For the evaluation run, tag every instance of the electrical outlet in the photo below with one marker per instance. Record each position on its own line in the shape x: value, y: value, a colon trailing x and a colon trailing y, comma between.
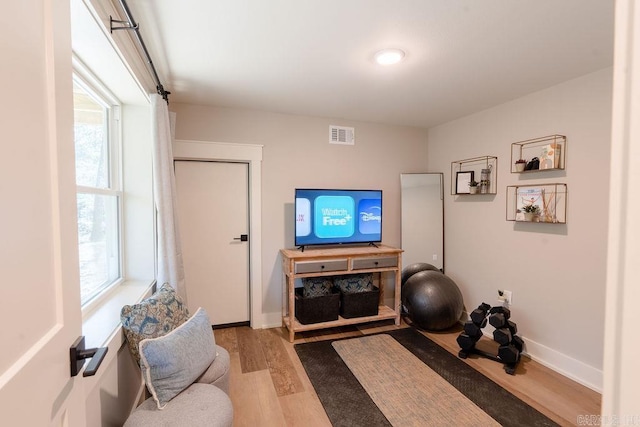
x: 505, y: 297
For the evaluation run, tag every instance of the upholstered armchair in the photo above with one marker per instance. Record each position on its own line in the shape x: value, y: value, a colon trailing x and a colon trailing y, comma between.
x: 185, y: 372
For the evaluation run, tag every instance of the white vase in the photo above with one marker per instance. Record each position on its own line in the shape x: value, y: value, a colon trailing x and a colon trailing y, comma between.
x: 520, y: 167
x: 473, y: 190
x: 528, y: 216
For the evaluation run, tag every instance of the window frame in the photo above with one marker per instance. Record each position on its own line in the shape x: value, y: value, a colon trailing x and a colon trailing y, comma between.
x: 102, y: 95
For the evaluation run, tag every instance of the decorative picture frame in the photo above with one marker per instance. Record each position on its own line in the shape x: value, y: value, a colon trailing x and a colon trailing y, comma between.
x: 463, y: 179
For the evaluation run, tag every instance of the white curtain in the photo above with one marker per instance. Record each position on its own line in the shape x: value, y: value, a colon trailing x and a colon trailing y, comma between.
x: 170, y: 266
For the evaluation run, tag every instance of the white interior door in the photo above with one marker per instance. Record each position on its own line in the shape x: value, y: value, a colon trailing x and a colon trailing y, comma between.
x: 213, y: 207
x: 38, y: 247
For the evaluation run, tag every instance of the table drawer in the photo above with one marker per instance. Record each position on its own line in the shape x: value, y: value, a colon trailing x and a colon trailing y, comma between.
x: 320, y: 266
x: 377, y: 262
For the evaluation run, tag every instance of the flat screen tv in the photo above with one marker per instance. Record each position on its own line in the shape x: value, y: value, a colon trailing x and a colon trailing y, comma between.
x: 334, y: 217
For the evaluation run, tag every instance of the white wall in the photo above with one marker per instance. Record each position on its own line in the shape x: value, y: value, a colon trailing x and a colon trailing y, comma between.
x: 556, y: 272
x: 297, y: 153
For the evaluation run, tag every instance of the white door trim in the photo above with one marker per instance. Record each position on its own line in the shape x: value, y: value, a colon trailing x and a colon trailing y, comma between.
x: 621, y: 371
x: 251, y: 154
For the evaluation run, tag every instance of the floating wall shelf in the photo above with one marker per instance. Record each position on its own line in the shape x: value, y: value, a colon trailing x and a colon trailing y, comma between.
x: 550, y: 150
x: 482, y: 169
x: 550, y: 199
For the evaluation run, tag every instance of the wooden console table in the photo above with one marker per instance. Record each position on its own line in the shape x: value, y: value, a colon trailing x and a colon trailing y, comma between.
x: 338, y: 261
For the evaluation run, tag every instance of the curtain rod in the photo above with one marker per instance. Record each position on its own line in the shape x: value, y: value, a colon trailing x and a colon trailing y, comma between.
x: 131, y: 24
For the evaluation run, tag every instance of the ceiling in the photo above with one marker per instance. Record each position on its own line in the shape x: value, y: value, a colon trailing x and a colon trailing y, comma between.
x: 315, y: 57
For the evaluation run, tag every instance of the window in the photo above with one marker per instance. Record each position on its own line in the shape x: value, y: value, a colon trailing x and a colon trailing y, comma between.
x: 99, y: 193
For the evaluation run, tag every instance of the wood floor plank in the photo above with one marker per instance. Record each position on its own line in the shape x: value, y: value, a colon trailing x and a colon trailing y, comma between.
x: 284, y: 376
x: 227, y: 338
x: 254, y: 399
x: 250, y: 351
x: 303, y: 410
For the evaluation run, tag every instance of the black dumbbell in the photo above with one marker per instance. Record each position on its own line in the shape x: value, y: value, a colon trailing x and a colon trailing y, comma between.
x: 467, y: 342
x: 472, y: 329
x: 478, y: 316
x: 512, y: 327
x: 517, y: 342
x: 501, y: 309
x: 502, y: 336
x: 498, y: 320
x: 508, y: 353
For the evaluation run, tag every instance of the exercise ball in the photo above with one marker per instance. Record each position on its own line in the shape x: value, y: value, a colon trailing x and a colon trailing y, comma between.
x: 432, y: 300
x: 412, y: 269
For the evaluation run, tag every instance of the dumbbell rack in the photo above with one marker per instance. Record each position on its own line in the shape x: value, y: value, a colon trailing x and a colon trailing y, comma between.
x: 505, y: 334
x: 509, y: 368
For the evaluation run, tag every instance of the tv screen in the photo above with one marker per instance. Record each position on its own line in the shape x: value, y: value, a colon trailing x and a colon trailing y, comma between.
x: 330, y: 217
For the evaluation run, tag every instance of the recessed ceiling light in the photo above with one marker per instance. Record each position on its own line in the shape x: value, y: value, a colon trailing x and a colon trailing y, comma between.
x: 389, y: 56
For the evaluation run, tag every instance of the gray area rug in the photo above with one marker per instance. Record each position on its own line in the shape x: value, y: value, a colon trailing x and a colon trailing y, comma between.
x: 347, y: 403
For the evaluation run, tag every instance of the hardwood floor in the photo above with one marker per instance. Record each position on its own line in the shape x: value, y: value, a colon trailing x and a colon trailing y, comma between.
x: 269, y: 386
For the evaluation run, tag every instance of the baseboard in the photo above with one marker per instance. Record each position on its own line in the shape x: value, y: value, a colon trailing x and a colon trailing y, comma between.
x: 270, y: 320
x: 565, y: 365
x: 571, y: 368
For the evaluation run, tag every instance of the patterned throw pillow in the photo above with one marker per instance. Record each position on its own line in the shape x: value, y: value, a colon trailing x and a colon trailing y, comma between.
x: 316, y: 286
x: 352, y: 283
x: 153, y: 317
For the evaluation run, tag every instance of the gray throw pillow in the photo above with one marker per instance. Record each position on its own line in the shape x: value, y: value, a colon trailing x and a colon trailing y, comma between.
x: 172, y: 362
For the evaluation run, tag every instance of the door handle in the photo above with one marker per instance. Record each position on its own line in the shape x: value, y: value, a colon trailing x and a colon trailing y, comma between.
x: 78, y: 353
x: 242, y: 238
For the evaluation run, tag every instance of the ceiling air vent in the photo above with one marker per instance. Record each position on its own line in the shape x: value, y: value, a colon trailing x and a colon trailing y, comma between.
x: 342, y: 135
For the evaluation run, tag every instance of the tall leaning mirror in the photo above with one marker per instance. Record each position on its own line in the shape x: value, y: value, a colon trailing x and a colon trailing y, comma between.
x: 422, y: 219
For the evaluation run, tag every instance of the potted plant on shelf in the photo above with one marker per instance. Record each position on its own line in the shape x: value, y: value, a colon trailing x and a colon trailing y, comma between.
x: 473, y: 187
x: 530, y: 212
x: 520, y: 165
